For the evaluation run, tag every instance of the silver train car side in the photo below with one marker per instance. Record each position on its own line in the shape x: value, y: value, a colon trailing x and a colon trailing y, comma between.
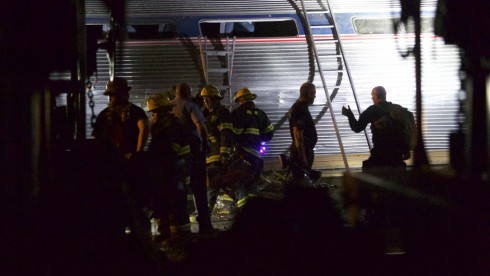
x: 271, y: 56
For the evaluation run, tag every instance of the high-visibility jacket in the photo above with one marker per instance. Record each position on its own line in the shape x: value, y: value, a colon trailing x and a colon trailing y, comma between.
x: 220, y: 133
x: 251, y: 127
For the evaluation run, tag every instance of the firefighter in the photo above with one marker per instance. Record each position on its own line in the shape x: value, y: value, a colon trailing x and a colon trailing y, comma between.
x: 252, y: 127
x: 122, y: 128
x: 220, y: 138
x: 167, y: 153
x: 122, y: 125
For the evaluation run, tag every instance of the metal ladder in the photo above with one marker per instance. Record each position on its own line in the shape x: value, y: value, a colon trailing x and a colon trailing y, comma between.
x: 222, y: 64
x: 326, y: 22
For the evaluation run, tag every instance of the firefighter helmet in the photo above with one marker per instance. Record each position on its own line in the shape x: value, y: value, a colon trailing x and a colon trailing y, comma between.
x: 244, y: 94
x: 158, y: 101
x: 210, y: 91
x: 117, y: 86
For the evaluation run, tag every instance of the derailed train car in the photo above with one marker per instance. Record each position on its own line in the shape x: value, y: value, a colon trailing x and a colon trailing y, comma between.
x: 269, y: 52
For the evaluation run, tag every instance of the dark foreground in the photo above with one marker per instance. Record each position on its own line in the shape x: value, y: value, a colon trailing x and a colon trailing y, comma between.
x: 84, y: 225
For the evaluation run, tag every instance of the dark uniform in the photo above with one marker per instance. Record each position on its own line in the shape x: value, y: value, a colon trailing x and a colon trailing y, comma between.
x: 167, y: 156
x: 122, y: 125
x: 387, y: 150
x: 220, y: 133
x: 299, y: 116
x: 116, y: 126
x: 387, y: 153
x: 252, y: 127
x: 220, y: 136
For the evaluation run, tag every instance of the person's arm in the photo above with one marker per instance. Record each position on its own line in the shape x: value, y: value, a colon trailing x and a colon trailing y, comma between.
x: 266, y: 127
x: 203, y: 132
x: 357, y: 125
x: 143, y: 127
x: 300, y: 145
x: 200, y: 122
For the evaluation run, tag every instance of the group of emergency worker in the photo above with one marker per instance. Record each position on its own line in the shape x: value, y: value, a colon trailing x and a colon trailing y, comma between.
x: 214, y: 152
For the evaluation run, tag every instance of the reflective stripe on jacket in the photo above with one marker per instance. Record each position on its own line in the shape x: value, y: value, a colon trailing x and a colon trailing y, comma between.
x: 251, y: 127
x: 220, y: 133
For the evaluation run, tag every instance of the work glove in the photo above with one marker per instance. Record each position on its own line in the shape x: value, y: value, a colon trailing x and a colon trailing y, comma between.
x: 347, y: 112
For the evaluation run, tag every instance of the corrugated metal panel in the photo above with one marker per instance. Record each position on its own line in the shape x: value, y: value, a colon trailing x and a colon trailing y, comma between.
x: 155, y: 8
x: 275, y: 68
x: 150, y: 68
x: 152, y: 8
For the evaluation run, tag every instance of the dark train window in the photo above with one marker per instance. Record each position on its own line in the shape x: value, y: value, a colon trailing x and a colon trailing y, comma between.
x: 386, y: 26
x: 147, y: 31
x: 249, y: 28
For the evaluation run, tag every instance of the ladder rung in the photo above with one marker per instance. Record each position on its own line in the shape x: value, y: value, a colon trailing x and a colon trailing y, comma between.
x: 217, y: 53
x: 329, y: 55
x: 321, y: 26
x: 329, y: 40
x: 333, y: 71
x: 317, y: 11
x: 218, y: 70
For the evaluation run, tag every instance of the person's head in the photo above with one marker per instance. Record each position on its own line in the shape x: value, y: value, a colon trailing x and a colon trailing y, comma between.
x: 211, y: 96
x: 117, y: 90
x: 183, y: 90
x: 244, y: 95
x: 307, y: 92
x: 378, y: 94
x: 159, y: 105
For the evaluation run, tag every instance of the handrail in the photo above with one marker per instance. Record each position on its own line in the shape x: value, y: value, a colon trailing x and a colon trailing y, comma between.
x: 317, y: 58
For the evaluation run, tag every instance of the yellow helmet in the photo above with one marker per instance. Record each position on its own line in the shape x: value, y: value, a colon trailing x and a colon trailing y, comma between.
x: 157, y: 101
x: 210, y: 91
x: 245, y: 94
x: 117, y: 86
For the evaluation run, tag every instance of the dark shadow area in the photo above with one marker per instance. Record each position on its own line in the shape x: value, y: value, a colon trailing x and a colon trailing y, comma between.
x: 252, y: 28
x: 87, y: 224
x: 300, y: 235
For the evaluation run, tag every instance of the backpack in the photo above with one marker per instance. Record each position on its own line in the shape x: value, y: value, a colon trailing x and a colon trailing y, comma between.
x: 404, y: 125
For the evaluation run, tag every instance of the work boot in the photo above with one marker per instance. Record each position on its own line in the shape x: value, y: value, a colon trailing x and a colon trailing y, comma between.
x: 225, y: 208
x: 193, y: 216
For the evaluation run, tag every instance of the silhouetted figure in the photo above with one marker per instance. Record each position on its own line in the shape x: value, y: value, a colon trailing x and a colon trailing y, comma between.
x: 194, y: 124
x: 387, y: 154
x: 167, y: 170
x: 121, y: 125
x: 303, y: 132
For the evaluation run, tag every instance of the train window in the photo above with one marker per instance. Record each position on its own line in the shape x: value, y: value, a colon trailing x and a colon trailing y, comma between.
x: 249, y: 27
x: 147, y: 31
x: 386, y: 26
